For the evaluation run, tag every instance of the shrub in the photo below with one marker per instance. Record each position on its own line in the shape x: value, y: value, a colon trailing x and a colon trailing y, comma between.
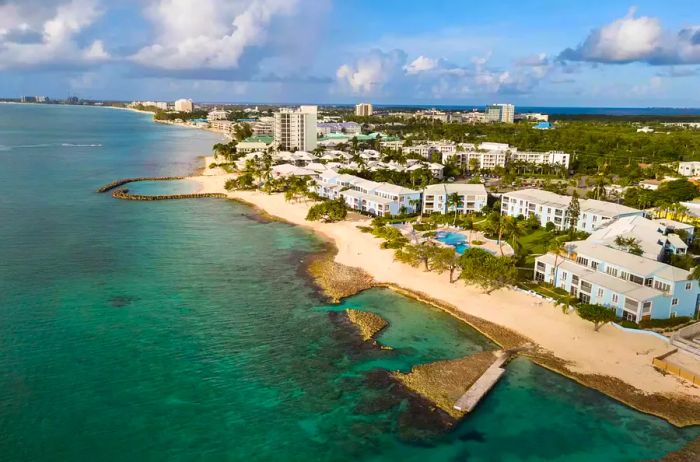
x: 477, y: 242
x: 628, y: 324
x: 329, y: 211
x: 660, y: 323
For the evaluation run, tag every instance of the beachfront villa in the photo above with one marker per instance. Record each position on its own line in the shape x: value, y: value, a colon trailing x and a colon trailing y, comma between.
x: 637, y: 287
x: 435, y: 198
x: 550, y: 207
x: 379, y: 199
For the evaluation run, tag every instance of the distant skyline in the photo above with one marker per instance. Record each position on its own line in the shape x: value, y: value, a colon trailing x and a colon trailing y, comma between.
x: 530, y: 53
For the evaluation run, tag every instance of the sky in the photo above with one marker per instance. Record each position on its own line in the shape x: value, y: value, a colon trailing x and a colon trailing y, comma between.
x: 526, y: 52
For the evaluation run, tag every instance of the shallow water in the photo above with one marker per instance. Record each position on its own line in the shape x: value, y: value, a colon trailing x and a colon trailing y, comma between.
x: 187, y: 330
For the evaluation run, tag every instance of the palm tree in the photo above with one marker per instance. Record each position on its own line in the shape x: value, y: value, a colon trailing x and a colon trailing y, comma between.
x: 557, y: 249
x: 415, y: 203
x: 456, y: 201
x: 469, y: 225
x: 513, y: 229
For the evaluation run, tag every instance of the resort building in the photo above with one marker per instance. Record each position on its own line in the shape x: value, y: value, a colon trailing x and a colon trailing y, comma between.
x: 637, y: 287
x: 380, y: 199
x: 552, y: 207
x: 363, y: 109
x: 296, y: 128
x: 657, y: 238
x: 541, y: 158
x: 255, y: 143
x: 435, y: 169
x: 217, y: 115
x: 426, y: 150
x: 352, y: 128
x: 184, y: 105
x: 394, y: 145
x: 435, y: 198
x: 689, y: 168
x: 503, y: 113
x: 224, y: 126
x: 264, y: 126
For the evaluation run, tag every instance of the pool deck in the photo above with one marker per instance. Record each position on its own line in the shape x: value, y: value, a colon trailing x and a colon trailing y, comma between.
x: 489, y: 245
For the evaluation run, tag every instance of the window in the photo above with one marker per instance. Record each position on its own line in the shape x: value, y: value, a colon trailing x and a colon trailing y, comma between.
x: 662, y: 286
x: 648, y: 282
x: 624, y: 275
x: 586, y: 286
x: 582, y: 261
x: 585, y: 298
x: 594, y: 265
x: 600, y: 292
x: 539, y: 276
x: 646, y: 308
x: 563, y: 275
x: 674, y: 302
x: 611, y: 271
x: 541, y: 266
x: 688, y: 285
x: 636, y: 279
x: 574, y: 280
x: 631, y: 304
x: 615, y: 298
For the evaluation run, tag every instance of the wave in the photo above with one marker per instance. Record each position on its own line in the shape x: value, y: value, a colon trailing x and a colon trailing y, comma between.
x: 97, y: 145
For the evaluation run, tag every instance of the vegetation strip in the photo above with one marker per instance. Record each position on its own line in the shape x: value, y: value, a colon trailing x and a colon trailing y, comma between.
x: 123, y: 181
x: 124, y: 194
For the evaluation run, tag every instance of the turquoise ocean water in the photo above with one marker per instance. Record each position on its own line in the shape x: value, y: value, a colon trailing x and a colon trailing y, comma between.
x: 187, y: 330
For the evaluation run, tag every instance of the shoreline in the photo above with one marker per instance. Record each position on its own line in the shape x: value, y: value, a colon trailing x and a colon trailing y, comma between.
x: 614, y: 362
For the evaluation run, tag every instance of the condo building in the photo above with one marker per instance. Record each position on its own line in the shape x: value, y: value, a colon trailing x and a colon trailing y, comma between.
x: 363, y: 109
x: 379, y: 199
x: 689, y: 168
x: 638, y: 287
x: 184, y: 105
x: 436, y: 198
x: 296, y: 128
x: 503, y: 113
x: 551, y: 207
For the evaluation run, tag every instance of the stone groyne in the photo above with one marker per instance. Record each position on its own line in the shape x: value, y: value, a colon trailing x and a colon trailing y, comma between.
x: 124, y: 195
x: 123, y: 181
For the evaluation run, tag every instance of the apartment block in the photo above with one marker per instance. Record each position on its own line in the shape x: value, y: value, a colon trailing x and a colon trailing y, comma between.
x: 436, y: 198
x: 552, y: 207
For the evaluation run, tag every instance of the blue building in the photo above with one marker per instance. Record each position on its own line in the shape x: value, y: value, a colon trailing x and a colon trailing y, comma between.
x: 639, y: 287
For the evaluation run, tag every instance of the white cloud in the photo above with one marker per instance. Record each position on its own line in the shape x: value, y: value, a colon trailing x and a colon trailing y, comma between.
x: 209, y: 34
x: 371, y: 72
x: 34, y: 35
x: 421, y: 64
x: 381, y: 73
x: 637, y: 39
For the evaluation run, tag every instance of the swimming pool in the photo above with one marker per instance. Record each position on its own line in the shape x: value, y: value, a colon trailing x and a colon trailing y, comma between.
x: 456, y: 240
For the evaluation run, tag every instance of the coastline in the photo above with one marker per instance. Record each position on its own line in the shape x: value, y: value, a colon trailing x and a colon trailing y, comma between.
x: 615, y: 362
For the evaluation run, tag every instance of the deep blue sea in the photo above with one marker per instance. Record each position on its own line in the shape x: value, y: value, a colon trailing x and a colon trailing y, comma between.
x: 188, y: 330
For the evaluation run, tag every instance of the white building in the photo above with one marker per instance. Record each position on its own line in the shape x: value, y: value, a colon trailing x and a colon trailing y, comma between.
x: 552, y: 207
x: 656, y: 238
x: 296, y: 128
x: 534, y: 116
x: 225, y: 126
x: 380, y: 199
x: 689, y: 168
x: 325, y: 128
x: 503, y: 113
x: 184, y: 105
x: 264, y: 126
x: 541, y: 158
x: 217, y: 115
x: 363, y: 109
x: 426, y: 150
x: 473, y: 117
x: 435, y: 198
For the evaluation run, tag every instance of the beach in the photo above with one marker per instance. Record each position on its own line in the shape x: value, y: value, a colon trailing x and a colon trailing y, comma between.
x: 582, y: 352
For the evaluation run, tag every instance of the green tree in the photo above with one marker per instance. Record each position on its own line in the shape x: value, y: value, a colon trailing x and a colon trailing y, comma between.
x: 597, y: 314
x: 444, y: 259
x: 328, y: 211
x: 455, y: 201
x: 481, y: 268
x: 415, y: 255
x: 514, y: 230
x: 573, y: 212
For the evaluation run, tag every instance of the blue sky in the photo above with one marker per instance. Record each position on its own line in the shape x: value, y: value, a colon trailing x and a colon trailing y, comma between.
x: 536, y: 53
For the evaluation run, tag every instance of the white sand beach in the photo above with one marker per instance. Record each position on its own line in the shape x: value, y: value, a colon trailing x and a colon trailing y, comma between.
x: 611, y: 352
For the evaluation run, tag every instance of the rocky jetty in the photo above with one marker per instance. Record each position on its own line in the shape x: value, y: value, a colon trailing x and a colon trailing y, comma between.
x: 335, y: 280
x: 444, y: 382
x: 125, y: 195
x: 369, y: 324
x: 123, y: 181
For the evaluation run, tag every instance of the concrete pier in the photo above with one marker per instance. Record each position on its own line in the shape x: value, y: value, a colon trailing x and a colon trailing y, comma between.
x: 478, y: 390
